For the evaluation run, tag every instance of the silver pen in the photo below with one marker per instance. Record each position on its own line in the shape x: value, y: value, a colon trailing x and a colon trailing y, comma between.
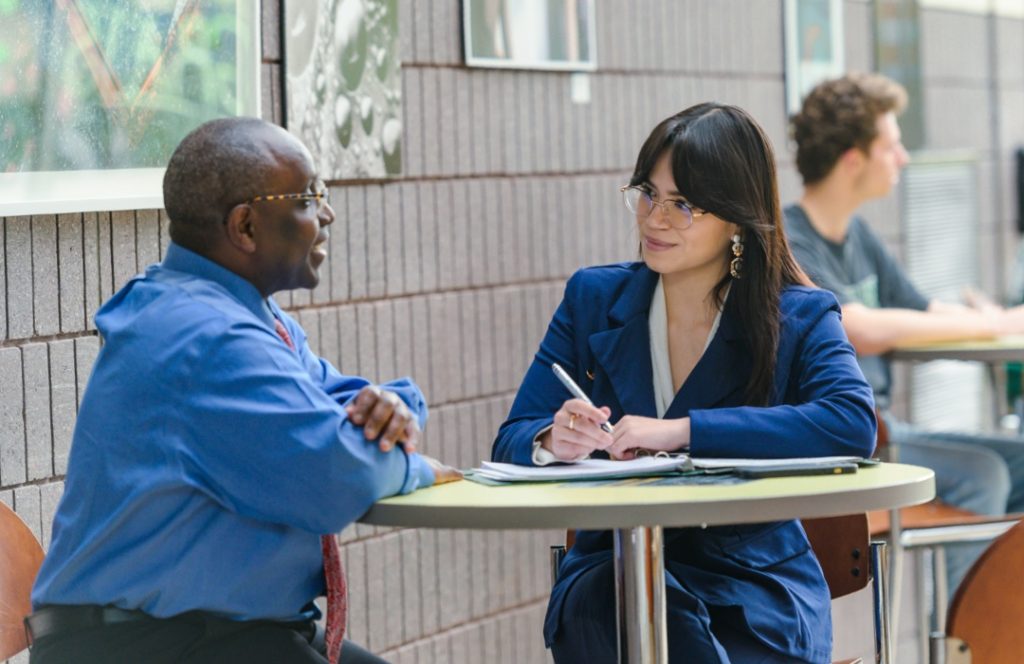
x: 573, y: 388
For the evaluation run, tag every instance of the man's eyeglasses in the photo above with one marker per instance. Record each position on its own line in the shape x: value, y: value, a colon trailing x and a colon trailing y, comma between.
x: 321, y: 194
x: 678, y: 213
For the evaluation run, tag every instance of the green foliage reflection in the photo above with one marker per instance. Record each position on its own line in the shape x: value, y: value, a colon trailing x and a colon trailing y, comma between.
x: 99, y: 84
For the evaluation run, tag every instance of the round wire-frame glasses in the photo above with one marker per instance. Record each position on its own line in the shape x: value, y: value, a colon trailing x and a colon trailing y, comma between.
x: 678, y: 213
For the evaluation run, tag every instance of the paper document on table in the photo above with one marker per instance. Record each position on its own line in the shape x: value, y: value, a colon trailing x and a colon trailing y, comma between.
x: 586, y: 469
x: 713, y: 464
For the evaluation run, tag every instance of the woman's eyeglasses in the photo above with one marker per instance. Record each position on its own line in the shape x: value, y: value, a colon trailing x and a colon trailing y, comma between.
x: 678, y: 213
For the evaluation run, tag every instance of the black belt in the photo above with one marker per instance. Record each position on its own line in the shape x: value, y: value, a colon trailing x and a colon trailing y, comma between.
x: 59, y: 619
x: 51, y: 620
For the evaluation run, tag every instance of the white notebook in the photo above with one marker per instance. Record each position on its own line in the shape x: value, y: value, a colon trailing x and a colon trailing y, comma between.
x: 583, y: 470
x: 587, y: 469
x: 712, y: 464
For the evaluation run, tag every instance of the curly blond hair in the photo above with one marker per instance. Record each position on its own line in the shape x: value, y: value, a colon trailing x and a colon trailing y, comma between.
x: 841, y: 114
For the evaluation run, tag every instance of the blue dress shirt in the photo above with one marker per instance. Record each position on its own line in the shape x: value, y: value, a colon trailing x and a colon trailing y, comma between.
x: 209, y: 457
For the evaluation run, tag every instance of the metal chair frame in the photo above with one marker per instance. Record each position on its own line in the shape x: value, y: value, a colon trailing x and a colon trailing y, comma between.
x: 928, y: 540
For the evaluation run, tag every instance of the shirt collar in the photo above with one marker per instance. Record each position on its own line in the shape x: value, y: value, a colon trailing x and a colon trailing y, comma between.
x: 180, y: 259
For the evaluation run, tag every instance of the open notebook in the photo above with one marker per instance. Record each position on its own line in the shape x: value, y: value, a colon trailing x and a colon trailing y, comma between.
x: 585, y: 469
x: 588, y: 469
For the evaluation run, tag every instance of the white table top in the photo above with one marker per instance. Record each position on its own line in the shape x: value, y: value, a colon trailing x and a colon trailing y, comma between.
x: 1001, y: 349
x: 466, y: 504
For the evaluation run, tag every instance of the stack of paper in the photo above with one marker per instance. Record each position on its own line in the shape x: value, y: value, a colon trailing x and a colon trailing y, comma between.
x: 716, y: 464
x: 595, y: 469
x: 586, y: 469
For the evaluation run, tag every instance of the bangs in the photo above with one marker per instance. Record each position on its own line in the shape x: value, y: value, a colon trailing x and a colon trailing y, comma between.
x: 658, y: 142
x: 702, y: 156
x: 698, y: 163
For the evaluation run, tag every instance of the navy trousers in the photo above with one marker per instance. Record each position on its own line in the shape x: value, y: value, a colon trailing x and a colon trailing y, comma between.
x: 695, y: 635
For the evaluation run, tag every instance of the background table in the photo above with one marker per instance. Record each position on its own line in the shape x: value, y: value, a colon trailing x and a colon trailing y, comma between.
x: 637, y: 514
x: 1001, y: 349
x: 993, y: 352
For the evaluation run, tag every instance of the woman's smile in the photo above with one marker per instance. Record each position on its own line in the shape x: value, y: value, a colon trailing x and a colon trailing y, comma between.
x: 651, y: 244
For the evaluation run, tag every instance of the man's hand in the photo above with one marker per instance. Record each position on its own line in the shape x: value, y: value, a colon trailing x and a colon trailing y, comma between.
x: 382, y: 413
x: 1012, y: 320
x: 442, y: 473
x: 977, y: 300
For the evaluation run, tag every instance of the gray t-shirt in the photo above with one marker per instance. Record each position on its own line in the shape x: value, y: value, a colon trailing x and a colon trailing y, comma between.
x: 859, y: 269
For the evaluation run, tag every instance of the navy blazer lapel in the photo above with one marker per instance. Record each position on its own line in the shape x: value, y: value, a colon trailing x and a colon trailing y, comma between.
x: 721, y: 373
x: 624, y: 350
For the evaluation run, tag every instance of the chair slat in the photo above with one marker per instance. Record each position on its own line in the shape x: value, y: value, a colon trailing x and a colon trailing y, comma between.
x: 20, y: 558
x: 988, y: 609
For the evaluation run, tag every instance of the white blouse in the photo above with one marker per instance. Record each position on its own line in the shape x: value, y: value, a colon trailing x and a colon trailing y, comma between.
x: 661, y: 365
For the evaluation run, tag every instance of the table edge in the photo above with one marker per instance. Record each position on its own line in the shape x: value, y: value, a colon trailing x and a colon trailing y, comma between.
x: 628, y: 515
x: 988, y: 355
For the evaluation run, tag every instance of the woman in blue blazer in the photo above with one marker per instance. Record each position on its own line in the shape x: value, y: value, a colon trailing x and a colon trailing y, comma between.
x: 715, y: 344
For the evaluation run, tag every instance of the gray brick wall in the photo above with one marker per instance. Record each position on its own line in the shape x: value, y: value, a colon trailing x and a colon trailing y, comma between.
x: 451, y: 272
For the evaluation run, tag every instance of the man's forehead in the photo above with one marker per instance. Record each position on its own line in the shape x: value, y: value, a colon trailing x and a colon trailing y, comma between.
x: 280, y: 140
x: 286, y: 152
x: 887, y: 125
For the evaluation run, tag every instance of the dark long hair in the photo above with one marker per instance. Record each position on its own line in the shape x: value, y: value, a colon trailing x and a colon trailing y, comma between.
x: 723, y: 162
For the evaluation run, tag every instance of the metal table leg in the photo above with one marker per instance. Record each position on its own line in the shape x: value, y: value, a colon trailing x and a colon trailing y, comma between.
x: 895, y: 589
x: 640, y: 595
x: 880, y: 588
x: 997, y: 395
x: 940, y: 596
x: 894, y: 574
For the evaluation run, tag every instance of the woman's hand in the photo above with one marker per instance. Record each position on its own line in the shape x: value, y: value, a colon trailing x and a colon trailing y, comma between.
x: 633, y: 433
x: 577, y: 431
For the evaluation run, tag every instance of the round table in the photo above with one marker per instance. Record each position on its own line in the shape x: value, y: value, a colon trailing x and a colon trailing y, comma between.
x: 637, y: 515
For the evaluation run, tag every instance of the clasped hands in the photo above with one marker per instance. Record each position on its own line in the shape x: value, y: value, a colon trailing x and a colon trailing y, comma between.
x: 386, y: 419
x: 576, y: 432
x: 1003, y: 320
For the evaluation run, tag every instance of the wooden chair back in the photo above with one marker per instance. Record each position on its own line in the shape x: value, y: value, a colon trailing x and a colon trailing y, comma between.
x: 842, y: 546
x: 987, y: 611
x: 882, y: 435
x: 20, y: 558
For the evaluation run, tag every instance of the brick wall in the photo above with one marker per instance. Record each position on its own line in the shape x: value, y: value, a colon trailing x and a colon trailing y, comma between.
x: 450, y: 273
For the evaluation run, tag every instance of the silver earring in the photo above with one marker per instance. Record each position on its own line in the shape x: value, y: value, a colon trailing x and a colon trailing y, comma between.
x: 736, y: 264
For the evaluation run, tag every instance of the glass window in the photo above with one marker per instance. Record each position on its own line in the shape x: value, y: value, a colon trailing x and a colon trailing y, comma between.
x: 104, y: 86
x: 814, y: 46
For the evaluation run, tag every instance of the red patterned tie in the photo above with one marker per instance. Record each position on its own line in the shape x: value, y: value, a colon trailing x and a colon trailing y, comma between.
x: 337, y: 605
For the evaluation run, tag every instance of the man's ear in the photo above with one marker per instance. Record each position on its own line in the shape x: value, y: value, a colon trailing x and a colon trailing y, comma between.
x: 853, y: 160
x: 239, y: 226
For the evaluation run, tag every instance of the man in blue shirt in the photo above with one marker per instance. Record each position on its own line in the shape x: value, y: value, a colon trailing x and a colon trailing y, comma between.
x: 213, y: 448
